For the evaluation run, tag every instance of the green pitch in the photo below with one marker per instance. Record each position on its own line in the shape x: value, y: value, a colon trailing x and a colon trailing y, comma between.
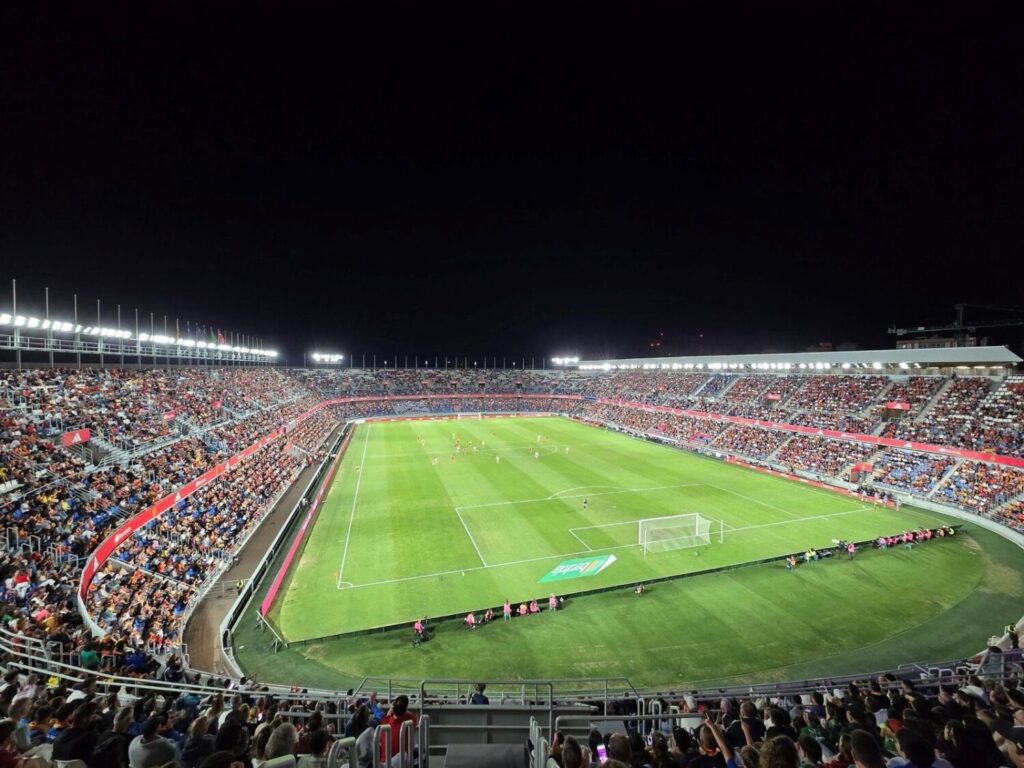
x: 401, y: 537
x: 429, y: 518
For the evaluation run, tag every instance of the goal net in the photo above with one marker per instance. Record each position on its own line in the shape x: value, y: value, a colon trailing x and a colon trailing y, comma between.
x: 661, y: 534
x: 460, y: 416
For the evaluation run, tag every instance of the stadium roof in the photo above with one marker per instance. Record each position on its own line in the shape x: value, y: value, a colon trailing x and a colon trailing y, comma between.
x: 870, y: 359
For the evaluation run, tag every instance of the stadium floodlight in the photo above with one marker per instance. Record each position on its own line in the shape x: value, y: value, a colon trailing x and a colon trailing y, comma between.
x: 565, y: 360
x: 327, y: 358
x: 19, y: 321
x: 5, y: 319
x: 877, y: 366
x: 904, y: 366
x: 34, y: 322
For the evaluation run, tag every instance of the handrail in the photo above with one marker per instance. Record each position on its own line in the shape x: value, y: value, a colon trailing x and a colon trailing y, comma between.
x: 405, y: 744
x: 105, y: 548
x: 248, y: 593
x: 382, y: 732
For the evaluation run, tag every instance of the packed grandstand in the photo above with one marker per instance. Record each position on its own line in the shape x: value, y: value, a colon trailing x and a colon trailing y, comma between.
x: 96, y: 604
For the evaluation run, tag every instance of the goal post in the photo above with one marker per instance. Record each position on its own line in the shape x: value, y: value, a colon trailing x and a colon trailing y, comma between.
x: 691, y: 529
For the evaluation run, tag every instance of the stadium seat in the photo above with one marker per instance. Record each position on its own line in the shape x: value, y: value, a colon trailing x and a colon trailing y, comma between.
x: 342, y: 751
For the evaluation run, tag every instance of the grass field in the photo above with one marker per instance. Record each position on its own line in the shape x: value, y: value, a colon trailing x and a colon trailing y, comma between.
x: 409, y: 537
x: 408, y: 531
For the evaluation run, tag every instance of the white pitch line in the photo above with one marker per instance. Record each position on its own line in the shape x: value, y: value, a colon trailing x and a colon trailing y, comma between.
x: 471, y: 539
x: 603, y: 525
x: 758, y: 501
x: 581, y: 541
x: 584, y: 552
x: 793, y: 522
x: 355, y: 498
x: 558, y: 494
x: 580, y: 496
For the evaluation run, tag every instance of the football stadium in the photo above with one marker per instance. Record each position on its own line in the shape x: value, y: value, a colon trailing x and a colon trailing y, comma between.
x: 854, y: 517
x: 420, y: 385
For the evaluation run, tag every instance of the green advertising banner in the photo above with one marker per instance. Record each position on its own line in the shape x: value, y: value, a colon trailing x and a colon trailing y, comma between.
x: 577, y: 569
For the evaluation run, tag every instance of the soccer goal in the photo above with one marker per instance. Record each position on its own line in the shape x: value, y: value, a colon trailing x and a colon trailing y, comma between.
x: 692, y: 529
x: 460, y: 416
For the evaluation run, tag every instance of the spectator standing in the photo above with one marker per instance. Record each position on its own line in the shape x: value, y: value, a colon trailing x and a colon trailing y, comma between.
x: 397, y: 714
x: 478, y: 696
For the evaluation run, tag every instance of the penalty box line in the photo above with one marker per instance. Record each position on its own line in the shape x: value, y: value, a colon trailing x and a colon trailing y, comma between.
x: 554, y: 497
x: 471, y: 569
x: 728, y: 526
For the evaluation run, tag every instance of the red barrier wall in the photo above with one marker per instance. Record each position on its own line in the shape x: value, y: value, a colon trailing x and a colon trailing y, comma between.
x: 268, y: 599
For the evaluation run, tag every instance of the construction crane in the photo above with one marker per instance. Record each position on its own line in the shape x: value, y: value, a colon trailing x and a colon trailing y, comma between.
x: 960, y: 328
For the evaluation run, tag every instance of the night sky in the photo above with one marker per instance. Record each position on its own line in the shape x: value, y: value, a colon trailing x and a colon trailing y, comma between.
x: 514, y: 181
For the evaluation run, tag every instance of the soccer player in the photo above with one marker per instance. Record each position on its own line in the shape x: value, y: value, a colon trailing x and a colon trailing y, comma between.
x: 434, y: 461
x: 567, y: 449
x: 497, y: 459
x: 586, y: 503
x: 536, y: 454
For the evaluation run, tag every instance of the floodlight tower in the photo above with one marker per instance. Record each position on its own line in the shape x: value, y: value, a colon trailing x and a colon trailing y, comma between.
x: 324, y: 359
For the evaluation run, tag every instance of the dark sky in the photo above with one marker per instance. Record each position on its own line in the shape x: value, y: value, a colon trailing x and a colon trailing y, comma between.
x: 517, y: 180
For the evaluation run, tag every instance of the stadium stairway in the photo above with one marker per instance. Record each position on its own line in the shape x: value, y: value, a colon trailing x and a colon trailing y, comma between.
x: 945, y: 477
x: 939, y: 394
x: 105, y: 453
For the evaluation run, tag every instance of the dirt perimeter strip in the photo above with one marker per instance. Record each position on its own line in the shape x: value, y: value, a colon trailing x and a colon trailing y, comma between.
x: 300, y: 537
x: 204, y: 625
